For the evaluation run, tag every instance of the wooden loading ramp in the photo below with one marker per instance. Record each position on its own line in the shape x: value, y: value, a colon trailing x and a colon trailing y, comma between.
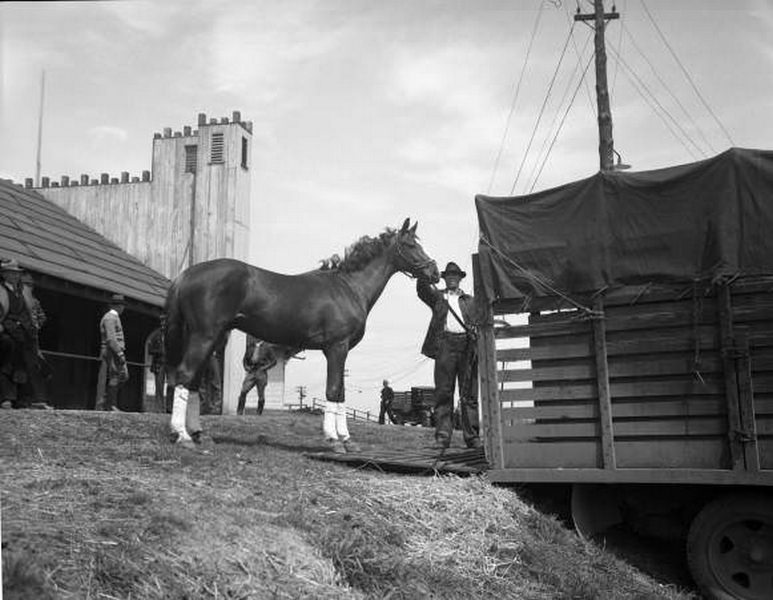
x: 459, y: 461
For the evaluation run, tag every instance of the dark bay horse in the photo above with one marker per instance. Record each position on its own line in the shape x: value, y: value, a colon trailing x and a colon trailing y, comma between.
x: 325, y: 309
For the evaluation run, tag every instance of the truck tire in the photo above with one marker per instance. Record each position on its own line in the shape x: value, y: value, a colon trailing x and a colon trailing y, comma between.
x: 595, y: 508
x: 730, y: 547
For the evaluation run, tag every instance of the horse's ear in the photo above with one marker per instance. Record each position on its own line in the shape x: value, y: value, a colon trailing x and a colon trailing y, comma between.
x: 404, y: 228
x: 413, y: 229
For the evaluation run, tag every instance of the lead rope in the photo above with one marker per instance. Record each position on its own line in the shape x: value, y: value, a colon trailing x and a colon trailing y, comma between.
x: 539, y: 281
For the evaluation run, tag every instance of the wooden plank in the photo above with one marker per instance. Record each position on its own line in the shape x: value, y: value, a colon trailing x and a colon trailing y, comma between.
x: 522, y: 331
x: 661, y: 317
x: 686, y: 407
x: 731, y: 382
x: 487, y: 373
x: 668, y: 453
x: 656, y: 343
x: 654, y: 366
x: 620, y: 476
x: 566, y: 454
x: 582, y: 391
x: 746, y: 401
x: 660, y: 428
x: 602, y: 384
x: 764, y: 427
x: 672, y: 453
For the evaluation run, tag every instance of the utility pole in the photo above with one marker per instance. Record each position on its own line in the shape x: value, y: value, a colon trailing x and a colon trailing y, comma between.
x: 301, y: 393
x: 40, y: 128
x: 606, y: 143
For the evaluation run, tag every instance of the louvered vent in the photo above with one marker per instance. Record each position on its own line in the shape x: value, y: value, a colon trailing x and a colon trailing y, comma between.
x: 218, y: 147
x: 191, y: 155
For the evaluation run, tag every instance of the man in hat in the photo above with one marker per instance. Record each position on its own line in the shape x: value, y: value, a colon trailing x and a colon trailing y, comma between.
x: 112, y: 370
x: 387, y: 398
x: 259, y: 358
x: 450, y: 341
x: 17, y: 347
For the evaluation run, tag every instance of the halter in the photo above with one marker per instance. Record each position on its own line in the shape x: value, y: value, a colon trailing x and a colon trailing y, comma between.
x: 415, y: 267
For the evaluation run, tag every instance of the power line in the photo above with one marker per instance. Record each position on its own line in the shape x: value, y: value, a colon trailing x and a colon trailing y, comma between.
x: 515, y: 97
x: 670, y: 92
x: 620, y: 44
x: 564, y: 96
x: 687, y: 74
x: 542, y: 108
x: 654, y: 104
x: 588, y: 93
x: 560, y: 126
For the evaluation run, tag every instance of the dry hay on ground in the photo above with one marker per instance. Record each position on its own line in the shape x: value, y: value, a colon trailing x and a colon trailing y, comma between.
x: 101, y: 506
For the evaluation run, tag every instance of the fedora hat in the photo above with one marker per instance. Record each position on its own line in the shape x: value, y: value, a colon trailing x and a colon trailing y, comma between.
x: 117, y: 299
x: 453, y: 269
x: 10, y: 265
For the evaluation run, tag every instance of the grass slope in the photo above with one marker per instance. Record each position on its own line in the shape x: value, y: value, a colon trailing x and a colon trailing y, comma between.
x: 98, y: 505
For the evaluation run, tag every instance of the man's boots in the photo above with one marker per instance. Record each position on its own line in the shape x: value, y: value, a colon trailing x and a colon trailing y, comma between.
x: 111, y: 398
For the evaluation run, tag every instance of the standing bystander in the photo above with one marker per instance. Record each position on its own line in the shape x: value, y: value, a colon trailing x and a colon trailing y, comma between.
x: 113, y: 371
x: 19, y: 367
x: 387, y: 397
x: 259, y: 357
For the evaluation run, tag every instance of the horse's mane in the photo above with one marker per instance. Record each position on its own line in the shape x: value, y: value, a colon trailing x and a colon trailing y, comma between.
x: 360, y: 253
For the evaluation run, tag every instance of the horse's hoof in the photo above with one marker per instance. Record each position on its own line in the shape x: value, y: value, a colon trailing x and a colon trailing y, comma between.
x: 351, y: 446
x: 336, y: 446
x: 199, y: 437
x: 187, y: 443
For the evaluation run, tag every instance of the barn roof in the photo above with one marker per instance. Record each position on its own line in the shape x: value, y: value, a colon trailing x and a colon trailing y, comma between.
x: 46, y: 239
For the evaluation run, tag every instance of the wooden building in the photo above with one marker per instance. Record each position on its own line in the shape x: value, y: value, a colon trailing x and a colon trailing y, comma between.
x: 193, y: 206
x: 76, y: 270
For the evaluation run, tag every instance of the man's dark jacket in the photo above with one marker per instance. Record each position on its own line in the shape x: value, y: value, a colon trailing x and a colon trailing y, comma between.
x: 437, y: 302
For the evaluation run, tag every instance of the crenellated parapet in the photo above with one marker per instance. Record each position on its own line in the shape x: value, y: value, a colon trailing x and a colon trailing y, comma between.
x: 189, y: 131
x: 167, y: 133
x: 87, y: 180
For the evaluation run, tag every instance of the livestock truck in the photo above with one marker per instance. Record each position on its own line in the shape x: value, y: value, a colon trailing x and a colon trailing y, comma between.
x: 627, y: 351
x: 413, y: 407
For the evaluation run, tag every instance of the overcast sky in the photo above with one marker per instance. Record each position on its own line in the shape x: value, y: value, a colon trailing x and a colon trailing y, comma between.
x: 369, y: 111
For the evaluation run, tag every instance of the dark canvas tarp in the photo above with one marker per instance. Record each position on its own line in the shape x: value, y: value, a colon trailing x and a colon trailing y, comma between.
x: 702, y: 220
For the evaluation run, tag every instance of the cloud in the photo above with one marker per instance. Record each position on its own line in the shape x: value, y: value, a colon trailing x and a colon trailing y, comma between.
x: 258, y: 51
x: 151, y: 18
x: 107, y: 133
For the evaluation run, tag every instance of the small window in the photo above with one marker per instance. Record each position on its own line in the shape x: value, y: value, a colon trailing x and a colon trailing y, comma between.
x: 244, y: 152
x: 191, y: 156
x: 216, y: 156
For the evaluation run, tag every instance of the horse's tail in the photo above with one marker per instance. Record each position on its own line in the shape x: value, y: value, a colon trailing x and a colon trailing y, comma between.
x: 173, y: 329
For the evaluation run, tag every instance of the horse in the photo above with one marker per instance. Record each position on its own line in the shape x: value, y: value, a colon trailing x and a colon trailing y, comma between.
x: 324, y: 309
x: 4, y: 303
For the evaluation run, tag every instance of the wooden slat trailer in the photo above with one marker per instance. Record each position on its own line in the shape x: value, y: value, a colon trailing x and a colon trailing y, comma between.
x: 653, y: 400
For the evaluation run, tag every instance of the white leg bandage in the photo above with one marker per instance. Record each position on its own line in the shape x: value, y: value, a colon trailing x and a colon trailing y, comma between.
x: 341, y: 428
x: 179, y: 410
x: 192, y: 420
x: 329, y: 422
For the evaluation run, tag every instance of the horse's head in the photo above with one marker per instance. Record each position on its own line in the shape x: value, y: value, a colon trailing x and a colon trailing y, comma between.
x: 410, y: 256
